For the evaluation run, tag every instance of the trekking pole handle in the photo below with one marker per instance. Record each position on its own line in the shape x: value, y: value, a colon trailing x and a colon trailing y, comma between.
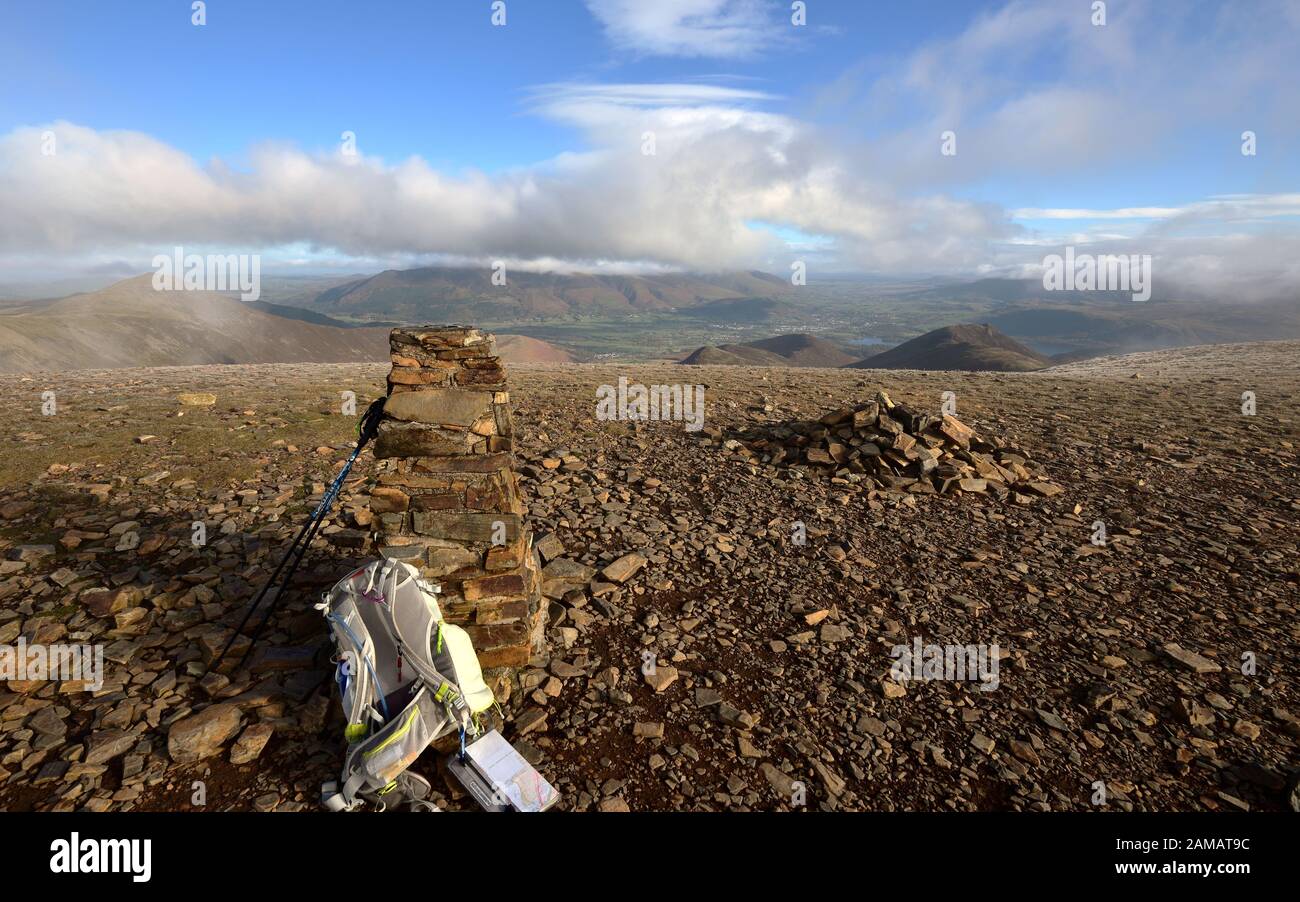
x: 369, y: 426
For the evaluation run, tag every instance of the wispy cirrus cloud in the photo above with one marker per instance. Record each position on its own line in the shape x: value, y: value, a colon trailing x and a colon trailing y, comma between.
x: 1227, y: 208
x: 1080, y: 213
x: 1033, y: 88
x: 725, y: 29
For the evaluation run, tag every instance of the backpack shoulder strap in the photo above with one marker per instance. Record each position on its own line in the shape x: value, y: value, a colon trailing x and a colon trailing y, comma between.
x: 414, y: 616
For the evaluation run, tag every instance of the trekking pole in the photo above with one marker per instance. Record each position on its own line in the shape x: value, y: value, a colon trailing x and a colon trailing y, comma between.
x: 366, y: 430
x: 299, y: 553
x: 260, y: 595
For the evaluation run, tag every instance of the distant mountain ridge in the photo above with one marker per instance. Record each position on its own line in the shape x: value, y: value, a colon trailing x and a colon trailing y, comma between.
x: 798, y: 349
x: 454, y: 294
x: 963, y: 347
x: 1005, y: 291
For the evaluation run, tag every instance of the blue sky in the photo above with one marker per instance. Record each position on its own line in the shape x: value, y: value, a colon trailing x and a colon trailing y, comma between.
x: 772, y: 138
x: 428, y: 78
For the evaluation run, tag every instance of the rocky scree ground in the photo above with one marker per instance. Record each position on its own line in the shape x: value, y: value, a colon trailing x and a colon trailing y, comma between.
x: 1120, y: 663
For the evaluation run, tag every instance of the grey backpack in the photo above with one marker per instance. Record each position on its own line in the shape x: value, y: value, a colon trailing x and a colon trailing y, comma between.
x: 406, y: 678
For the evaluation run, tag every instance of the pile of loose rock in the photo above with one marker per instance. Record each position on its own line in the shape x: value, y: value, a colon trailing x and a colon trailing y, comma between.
x: 892, y: 447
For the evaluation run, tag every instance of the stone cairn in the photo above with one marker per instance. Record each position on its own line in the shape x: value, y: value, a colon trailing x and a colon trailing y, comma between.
x: 890, y: 446
x: 447, y: 500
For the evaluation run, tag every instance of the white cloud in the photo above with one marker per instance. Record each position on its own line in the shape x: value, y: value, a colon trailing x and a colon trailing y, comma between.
x: 719, y: 167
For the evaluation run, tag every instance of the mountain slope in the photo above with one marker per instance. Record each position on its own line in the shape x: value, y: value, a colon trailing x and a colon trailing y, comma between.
x: 802, y: 349
x: 731, y: 355
x: 130, y: 324
x: 799, y: 349
x: 522, y: 349
x: 962, y: 347
x: 299, y: 313
x: 1149, y: 326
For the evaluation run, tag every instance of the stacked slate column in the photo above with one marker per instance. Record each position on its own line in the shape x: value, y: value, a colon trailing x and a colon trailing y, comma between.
x: 446, y: 498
